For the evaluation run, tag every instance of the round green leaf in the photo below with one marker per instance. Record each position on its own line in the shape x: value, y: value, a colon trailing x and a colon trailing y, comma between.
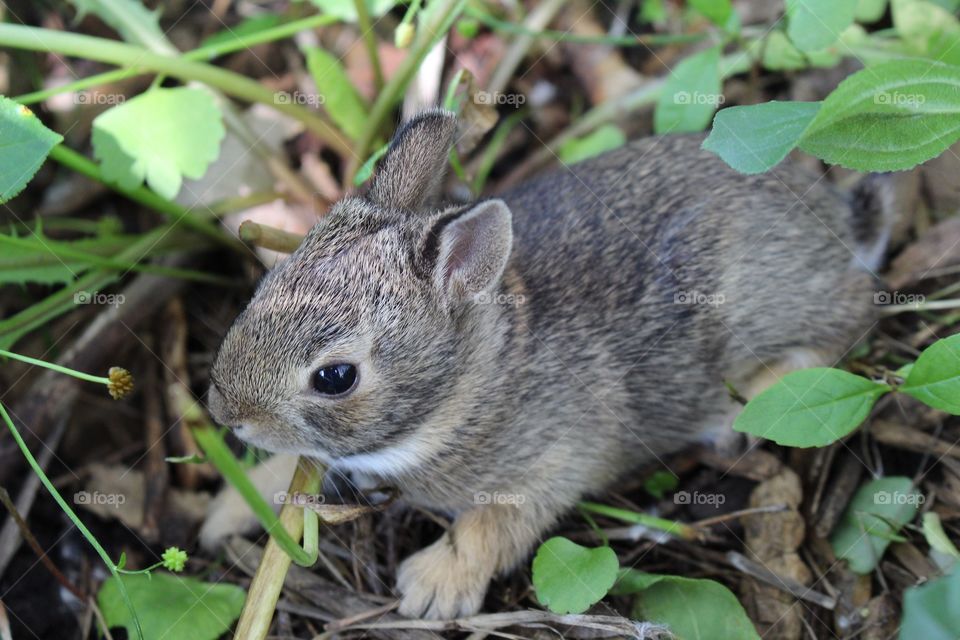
x: 934, y: 378
x: 569, y: 578
x: 693, y: 609
x: 888, y: 117
x: 755, y: 138
x: 159, y: 136
x: 24, y: 145
x: 810, y: 407
x: 169, y: 606
x: 875, y: 514
x: 930, y: 611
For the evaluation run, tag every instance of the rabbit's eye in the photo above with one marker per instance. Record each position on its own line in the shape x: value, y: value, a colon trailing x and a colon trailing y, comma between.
x: 335, y: 379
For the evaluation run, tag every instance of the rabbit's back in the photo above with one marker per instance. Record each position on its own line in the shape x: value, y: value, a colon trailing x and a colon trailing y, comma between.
x: 671, y: 272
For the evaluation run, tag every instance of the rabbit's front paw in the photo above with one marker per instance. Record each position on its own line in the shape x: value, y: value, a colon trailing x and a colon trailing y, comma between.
x: 442, y: 582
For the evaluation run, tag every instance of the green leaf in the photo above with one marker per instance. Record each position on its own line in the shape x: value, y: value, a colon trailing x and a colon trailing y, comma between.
x: 134, y: 22
x: 340, y: 99
x: 347, y: 11
x: 366, y: 169
x: 659, y: 483
x: 35, y: 258
x: 690, y: 95
x: 815, y: 24
x: 928, y: 30
x: 160, y: 136
x: 930, y: 611
x: 875, y: 514
x: 936, y: 537
x: 569, y: 578
x: 25, y: 143
x: 779, y: 54
x: 810, y: 407
x: 934, y: 378
x: 692, y: 609
x: 652, y: 11
x: 870, y: 10
x: 888, y: 117
x: 605, y: 138
x: 717, y: 11
x: 756, y: 138
x: 172, y: 607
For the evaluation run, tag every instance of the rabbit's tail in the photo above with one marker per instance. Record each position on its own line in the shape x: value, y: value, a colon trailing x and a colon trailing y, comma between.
x: 876, y: 211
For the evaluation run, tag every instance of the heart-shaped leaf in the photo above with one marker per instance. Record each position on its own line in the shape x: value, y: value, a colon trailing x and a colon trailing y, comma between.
x: 755, y: 138
x: 569, y: 578
x: 875, y: 514
x: 810, y: 407
x: 934, y: 378
x: 159, y: 137
x: 24, y: 145
x: 693, y: 609
x: 169, y: 606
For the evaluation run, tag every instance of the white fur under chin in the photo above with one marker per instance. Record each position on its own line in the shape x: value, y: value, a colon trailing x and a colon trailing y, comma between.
x: 387, y: 463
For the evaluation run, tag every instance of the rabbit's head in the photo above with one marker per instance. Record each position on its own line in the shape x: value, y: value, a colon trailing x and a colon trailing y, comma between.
x: 356, y: 340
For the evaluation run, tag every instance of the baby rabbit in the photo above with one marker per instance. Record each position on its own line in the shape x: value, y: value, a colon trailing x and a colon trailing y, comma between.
x: 500, y: 360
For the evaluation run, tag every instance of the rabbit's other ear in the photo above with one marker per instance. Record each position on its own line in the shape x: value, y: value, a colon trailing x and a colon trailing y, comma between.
x: 411, y: 173
x: 472, y: 249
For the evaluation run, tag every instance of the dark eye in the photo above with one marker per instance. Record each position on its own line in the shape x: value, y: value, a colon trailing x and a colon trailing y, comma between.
x: 335, y: 380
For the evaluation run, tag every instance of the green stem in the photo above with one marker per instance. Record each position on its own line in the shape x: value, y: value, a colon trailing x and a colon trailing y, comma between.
x: 118, y: 53
x: 427, y: 35
x: 171, y: 210
x: 37, y: 469
x: 57, y: 303
x: 59, y: 249
x: 207, y: 52
x: 672, y: 527
x: 55, y: 367
x: 370, y: 41
x: 226, y: 463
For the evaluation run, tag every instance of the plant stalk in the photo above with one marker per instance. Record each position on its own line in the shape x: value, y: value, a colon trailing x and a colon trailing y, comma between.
x: 267, y: 583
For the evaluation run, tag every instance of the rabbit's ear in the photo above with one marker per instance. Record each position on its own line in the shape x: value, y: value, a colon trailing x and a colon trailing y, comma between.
x: 411, y: 173
x: 471, y: 249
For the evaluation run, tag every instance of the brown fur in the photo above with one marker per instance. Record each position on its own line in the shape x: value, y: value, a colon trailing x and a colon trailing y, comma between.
x: 537, y: 366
